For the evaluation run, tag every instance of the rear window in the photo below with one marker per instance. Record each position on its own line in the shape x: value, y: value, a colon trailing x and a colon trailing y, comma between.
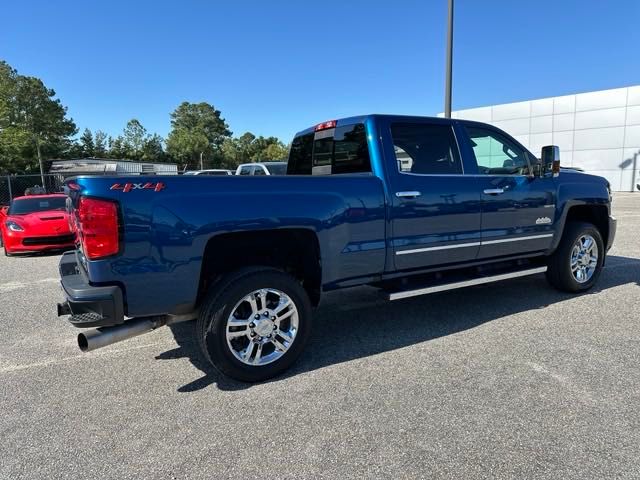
x: 35, y: 204
x: 276, y: 168
x: 339, y: 150
x: 246, y: 170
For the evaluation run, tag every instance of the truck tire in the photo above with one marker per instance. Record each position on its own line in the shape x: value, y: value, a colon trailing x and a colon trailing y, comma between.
x: 577, y: 262
x: 254, y: 323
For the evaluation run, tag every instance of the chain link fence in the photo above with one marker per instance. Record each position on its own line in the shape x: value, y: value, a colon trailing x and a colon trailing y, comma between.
x: 12, y: 186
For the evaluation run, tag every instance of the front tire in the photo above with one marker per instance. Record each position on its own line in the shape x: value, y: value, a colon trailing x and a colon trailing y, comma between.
x: 577, y: 263
x: 254, y: 323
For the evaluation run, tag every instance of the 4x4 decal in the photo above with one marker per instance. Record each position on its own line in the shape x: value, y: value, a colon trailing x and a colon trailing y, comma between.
x: 127, y: 187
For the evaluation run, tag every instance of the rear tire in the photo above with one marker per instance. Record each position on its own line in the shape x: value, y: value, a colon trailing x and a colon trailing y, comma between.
x: 577, y: 262
x: 254, y: 323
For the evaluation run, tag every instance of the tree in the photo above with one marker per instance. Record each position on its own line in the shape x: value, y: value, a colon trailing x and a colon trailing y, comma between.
x: 152, y: 150
x: 249, y: 148
x: 33, y: 123
x: 134, y: 138
x: 100, y: 144
x: 117, y: 148
x: 275, y: 151
x: 87, y: 147
x: 197, y: 129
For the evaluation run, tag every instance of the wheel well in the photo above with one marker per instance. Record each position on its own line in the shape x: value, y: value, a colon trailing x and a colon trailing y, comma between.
x: 598, y: 215
x: 295, y: 251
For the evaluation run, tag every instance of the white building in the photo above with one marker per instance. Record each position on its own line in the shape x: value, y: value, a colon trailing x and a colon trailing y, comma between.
x: 596, y: 131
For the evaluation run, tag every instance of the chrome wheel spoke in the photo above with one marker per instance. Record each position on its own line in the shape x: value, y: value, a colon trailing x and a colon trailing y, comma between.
x: 238, y: 334
x: 258, y: 356
x: 237, y: 323
x: 253, y: 303
x: 279, y: 345
x: 246, y: 355
x: 285, y: 316
x: 286, y: 336
x: 284, y: 303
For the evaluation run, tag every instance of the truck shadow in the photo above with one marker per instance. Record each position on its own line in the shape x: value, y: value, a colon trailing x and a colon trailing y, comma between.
x: 357, y: 323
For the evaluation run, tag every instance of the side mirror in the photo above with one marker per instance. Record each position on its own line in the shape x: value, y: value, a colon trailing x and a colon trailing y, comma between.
x: 550, y: 160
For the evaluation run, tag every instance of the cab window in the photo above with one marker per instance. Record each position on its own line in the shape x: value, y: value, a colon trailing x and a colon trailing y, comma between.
x: 246, y: 170
x: 342, y: 149
x: 425, y: 149
x: 496, y: 154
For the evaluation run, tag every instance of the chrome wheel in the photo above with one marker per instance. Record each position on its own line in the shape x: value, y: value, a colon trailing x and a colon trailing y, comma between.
x: 584, y: 258
x: 262, y: 327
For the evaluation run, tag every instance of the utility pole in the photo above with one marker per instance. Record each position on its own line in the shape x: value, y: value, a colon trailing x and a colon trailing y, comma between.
x: 201, y: 164
x: 447, y: 86
x: 40, y: 161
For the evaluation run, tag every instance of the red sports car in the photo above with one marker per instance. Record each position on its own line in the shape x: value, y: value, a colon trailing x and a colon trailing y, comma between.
x: 35, y: 223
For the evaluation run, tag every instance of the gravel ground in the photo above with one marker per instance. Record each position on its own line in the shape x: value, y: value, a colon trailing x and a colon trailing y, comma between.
x: 510, y: 380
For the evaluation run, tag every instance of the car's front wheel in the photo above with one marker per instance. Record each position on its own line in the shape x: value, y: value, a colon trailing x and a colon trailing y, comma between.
x: 577, y: 263
x: 254, y: 323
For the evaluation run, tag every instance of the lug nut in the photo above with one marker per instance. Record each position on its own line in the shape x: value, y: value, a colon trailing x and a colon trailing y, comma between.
x: 275, y: 327
x: 266, y: 314
x: 273, y: 319
x: 253, y: 334
x: 257, y: 316
x: 252, y: 325
x: 269, y: 336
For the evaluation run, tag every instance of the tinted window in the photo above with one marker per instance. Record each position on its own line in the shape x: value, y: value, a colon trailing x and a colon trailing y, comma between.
x: 258, y: 170
x: 35, y: 204
x: 350, y: 151
x: 496, y: 154
x: 245, y: 170
x: 427, y: 149
x: 342, y: 149
x: 300, y: 155
x: 323, y: 148
x: 277, y: 168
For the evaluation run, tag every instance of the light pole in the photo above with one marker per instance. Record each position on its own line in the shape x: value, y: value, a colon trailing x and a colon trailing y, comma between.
x: 447, y: 86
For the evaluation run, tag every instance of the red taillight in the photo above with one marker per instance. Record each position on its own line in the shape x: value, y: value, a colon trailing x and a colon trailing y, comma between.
x: 326, y: 125
x: 98, y: 227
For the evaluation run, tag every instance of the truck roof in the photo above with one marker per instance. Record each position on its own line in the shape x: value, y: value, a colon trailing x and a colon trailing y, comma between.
x: 362, y: 118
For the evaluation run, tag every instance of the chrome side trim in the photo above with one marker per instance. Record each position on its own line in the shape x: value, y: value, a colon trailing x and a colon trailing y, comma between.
x: 473, y: 244
x: 518, y: 239
x: 465, y: 283
x: 440, y: 247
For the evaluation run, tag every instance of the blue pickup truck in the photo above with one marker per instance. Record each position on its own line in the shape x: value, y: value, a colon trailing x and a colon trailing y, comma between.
x: 411, y: 205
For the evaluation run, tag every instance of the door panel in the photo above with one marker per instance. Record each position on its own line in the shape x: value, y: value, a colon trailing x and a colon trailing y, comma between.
x: 520, y: 219
x: 435, y: 209
x: 518, y: 208
x: 440, y: 226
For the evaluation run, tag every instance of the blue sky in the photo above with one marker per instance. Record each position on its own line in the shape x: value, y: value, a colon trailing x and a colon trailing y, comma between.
x: 275, y: 67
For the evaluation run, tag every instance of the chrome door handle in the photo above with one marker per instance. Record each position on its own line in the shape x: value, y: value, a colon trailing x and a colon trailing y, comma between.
x: 412, y: 194
x: 493, y: 191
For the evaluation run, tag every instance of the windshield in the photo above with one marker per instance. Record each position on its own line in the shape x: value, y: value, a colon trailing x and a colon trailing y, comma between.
x: 36, y: 204
x: 276, y: 168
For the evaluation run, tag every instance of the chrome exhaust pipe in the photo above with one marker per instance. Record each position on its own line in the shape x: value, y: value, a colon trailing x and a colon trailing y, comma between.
x: 102, y: 337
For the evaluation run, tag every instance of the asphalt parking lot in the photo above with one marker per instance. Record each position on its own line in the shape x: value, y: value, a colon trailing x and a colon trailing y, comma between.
x: 510, y: 380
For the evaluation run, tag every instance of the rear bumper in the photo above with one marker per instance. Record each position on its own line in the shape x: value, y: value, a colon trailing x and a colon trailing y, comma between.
x: 87, y: 305
x: 613, y: 225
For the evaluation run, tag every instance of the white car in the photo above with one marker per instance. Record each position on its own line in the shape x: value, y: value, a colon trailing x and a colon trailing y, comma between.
x: 262, y: 168
x: 213, y: 171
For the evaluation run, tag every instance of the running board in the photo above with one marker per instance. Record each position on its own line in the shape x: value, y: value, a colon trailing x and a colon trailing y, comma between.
x: 466, y: 283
